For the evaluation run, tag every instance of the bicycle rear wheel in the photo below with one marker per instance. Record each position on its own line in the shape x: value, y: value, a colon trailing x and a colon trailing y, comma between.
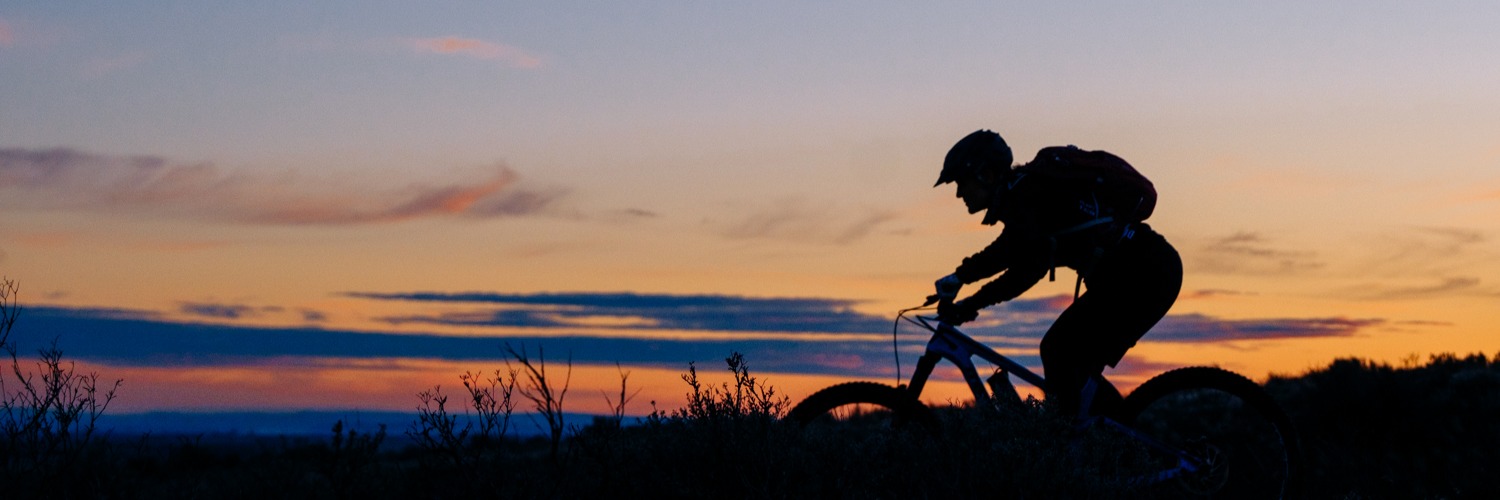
x: 863, y: 403
x: 1242, y: 443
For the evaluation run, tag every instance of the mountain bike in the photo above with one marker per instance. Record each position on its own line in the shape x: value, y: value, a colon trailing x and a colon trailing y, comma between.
x: 1208, y: 430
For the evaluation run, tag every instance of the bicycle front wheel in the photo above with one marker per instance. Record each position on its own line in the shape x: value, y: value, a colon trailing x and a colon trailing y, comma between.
x: 863, y: 403
x: 1239, y: 441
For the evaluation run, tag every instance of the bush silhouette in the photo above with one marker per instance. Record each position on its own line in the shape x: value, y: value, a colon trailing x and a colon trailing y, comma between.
x: 1414, y: 431
x: 48, y: 416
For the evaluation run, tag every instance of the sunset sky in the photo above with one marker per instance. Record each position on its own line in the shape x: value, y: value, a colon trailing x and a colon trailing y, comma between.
x: 280, y: 205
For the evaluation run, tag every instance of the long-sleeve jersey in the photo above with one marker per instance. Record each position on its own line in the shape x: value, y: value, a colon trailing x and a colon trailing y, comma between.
x: 1038, y: 212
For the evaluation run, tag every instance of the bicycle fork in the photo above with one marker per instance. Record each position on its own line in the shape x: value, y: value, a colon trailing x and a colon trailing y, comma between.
x: 953, y: 348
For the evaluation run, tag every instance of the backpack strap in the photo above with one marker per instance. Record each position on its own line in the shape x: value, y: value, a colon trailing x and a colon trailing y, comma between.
x: 1078, y: 285
x: 1085, y: 225
x: 1126, y: 233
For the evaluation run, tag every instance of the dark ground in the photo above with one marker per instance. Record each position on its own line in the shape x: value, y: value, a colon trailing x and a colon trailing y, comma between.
x: 1368, y: 431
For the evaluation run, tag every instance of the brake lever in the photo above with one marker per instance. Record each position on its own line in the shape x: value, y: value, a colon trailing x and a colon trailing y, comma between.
x: 937, y: 299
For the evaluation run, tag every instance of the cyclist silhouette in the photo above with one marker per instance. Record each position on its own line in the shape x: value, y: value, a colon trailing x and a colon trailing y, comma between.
x: 1132, y: 275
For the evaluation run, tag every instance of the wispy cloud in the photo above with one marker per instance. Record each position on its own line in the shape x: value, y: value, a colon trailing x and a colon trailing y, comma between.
x: 1447, y: 287
x: 1251, y: 253
x: 862, y: 227
x: 63, y: 178
x: 1213, y: 293
x: 1422, y: 263
x: 632, y: 213
x: 1423, y: 251
x: 219, y: 311
x: 1195, y: 328
x: 312, y: 315
x: 479, y: 49
x: 226, y: 311
x: 795, y: 219
x: 644, y: 311
x: 223, y: 311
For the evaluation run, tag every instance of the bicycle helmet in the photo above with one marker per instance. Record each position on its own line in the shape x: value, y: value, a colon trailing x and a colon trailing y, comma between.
x: 976, y: 156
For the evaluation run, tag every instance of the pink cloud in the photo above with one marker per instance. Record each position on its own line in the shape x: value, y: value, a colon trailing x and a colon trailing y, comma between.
x: 7, y: 37
x: 476, y: 48
x: 839, y: 361
x: 803, y: 221
x: 478, y: 198
x: 1212, y: 293
x: 69, y: 179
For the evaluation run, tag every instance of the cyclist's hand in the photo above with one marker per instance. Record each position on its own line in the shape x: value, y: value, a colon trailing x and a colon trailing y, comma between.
x: 947, y: 287
x: 957, y: 313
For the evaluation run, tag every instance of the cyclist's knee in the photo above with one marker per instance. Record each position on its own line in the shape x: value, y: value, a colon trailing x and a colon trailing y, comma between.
x: 1057, y: 351
x: 1105, y: 398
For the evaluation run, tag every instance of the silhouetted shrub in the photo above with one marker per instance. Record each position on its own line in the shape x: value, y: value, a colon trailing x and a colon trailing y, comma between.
x: 47, y: 417
x: 1415, y: 431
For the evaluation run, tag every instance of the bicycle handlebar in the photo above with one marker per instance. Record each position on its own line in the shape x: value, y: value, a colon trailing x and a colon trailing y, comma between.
x: 927, y: 322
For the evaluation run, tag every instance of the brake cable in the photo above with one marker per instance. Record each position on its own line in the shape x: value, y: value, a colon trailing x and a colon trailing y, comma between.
x: 896, y: 327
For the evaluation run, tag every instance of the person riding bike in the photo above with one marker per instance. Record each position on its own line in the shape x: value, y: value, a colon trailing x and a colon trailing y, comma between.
x: 1132, y: 275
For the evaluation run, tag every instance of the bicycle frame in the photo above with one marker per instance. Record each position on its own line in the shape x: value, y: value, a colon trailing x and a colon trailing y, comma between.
x: 958, y: 348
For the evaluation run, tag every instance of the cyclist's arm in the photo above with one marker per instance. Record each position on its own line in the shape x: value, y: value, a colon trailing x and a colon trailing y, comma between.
x: 1022, y: 252
x: 1030, y: 265
x: 994, y: 258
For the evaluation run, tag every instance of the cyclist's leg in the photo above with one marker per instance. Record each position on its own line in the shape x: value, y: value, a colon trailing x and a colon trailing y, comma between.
x: 1072, y: 352
x: 1129, y: 292
x: 1099, y: 397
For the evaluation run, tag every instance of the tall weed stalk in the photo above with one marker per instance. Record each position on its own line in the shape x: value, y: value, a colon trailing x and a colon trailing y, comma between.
x: 746, y: 399
x: 462, y: 440
x: 545, y: 395
x: 48, y: 416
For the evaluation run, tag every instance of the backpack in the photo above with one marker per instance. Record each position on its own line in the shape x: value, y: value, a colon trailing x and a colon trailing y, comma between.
x: 1118, y: 194
x: 1118, y: 190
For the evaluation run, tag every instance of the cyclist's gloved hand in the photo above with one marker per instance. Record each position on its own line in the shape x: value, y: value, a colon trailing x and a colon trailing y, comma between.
x: 947, y: 287
x: 957, y: 313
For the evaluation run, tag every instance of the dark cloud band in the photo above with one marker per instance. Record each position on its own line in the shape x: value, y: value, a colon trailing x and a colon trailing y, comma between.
x: 644, y: 311
x: 145, y: 338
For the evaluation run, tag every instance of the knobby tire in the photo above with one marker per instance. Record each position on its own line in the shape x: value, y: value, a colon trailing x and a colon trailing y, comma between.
x: 1216, y: 413
x: 902, y: 407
